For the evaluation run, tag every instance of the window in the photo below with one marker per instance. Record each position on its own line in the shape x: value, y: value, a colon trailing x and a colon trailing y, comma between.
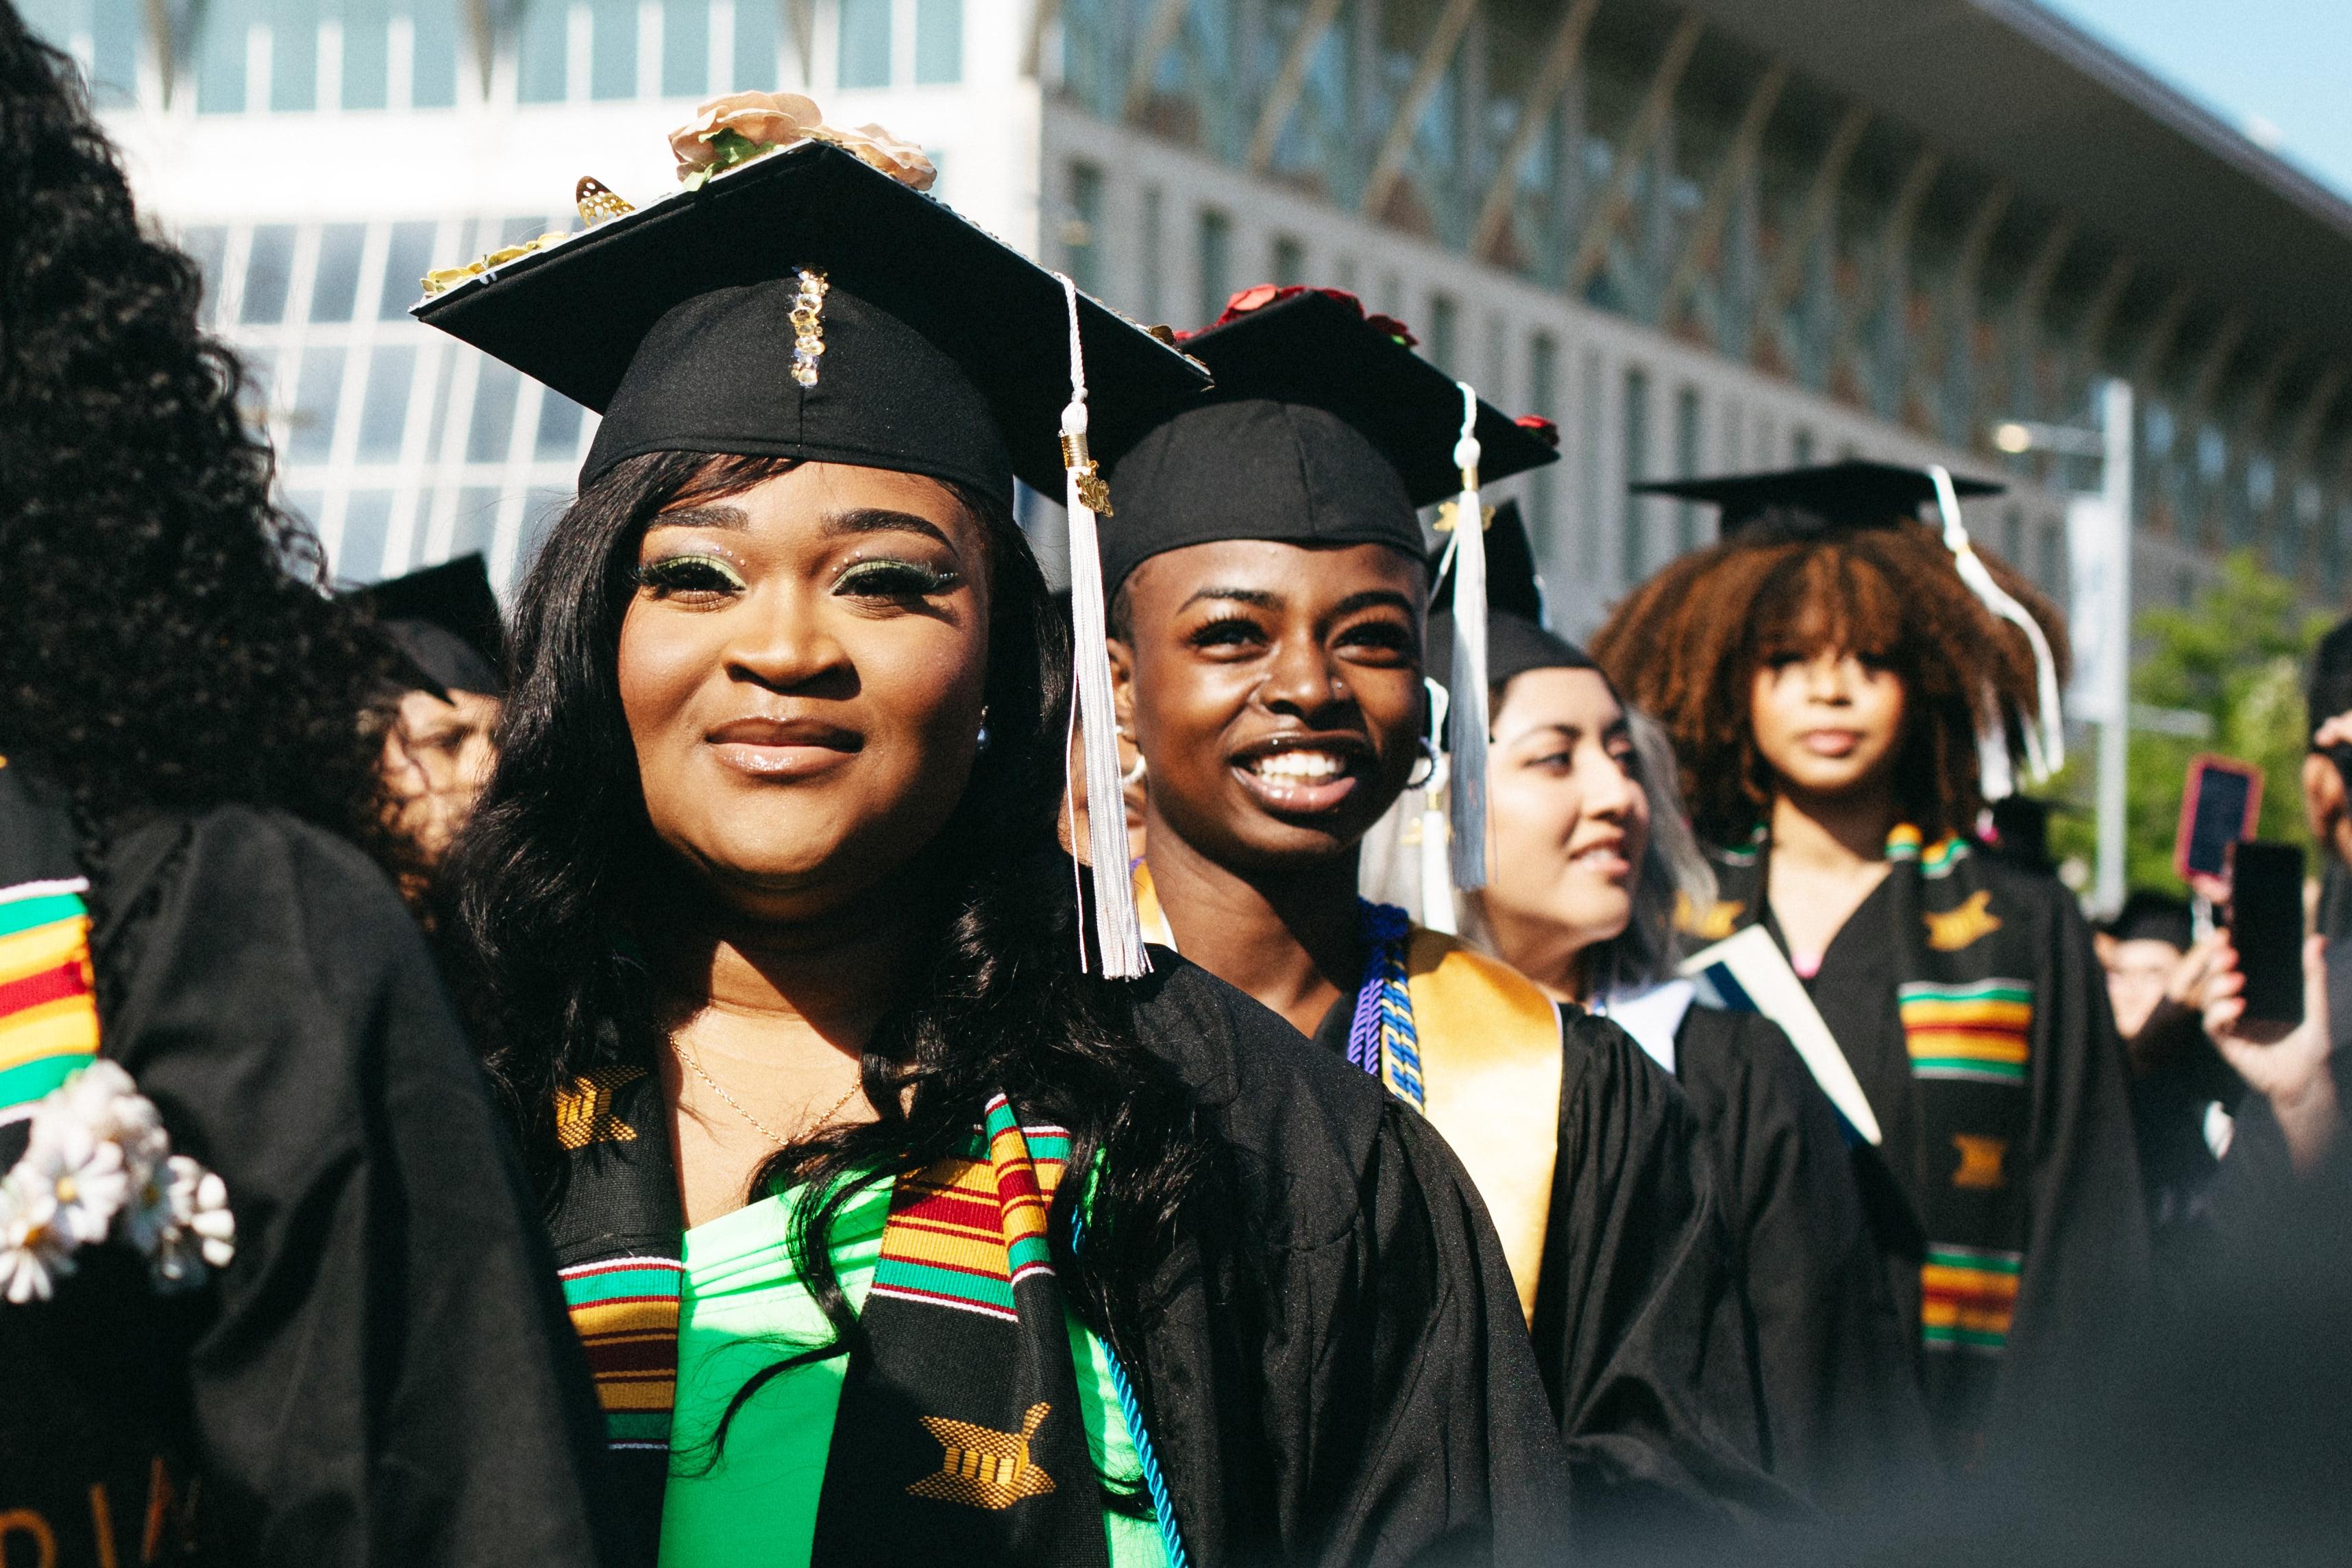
x: 1289, y: 260
x: 269, y: 274
x: 939, y: 42
x: 1216, y: 244
x: 1155, y: 272
x: 1801, y: 447
x: 367, y: 524
x: 1444, y: 324
x: 488, y: 435
x: 311, y: 422
x: 220, y: 57
x: 477, y: 523
x: 2049, y: 572
x: 1686, y: 439
x: 865, y: 43
x: 1634, y: 551
x: 685, y: 48
x: 433, y: 70
x: 335, y: 290
x: 206, y: 246
x: 1082, y: 228
x: 541, y: 46
x: 540, y: 508
x: 1589, y: 512
x: 293, y: 55
x: 559, y: 429
x: 1543, y: 396
x: 2012, y: 537
x: 756, y: 35
x: 612, y: 49
x: 405, y: 268
x: 367, y: 60
x: 383, y: 408
x: 115, y: 27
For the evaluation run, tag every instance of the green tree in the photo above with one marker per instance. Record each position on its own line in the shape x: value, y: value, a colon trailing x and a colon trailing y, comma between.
x: 2237, y: 657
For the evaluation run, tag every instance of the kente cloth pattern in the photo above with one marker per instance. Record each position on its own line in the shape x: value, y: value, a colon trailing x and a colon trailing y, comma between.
x: 48, y: 1010
x: 959, y: 1437
x: 625, y: 1311
x: 1968, y: 1025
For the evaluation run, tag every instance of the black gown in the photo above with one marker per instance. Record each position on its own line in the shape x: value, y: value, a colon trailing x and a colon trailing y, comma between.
x: 382, y: 1374
x: 1843, y: 1415
x: 1638, y: 1327
x: 1336, y: 1371
x: 2061, y: 1187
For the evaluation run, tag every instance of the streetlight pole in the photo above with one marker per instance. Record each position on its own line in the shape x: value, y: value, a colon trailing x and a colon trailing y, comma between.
x: 2099, y: 528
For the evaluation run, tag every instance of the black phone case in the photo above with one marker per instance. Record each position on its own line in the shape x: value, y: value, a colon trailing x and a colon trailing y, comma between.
x: 2266, y: 929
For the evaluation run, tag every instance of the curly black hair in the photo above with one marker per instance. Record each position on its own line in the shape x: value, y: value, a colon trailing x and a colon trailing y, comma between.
x: 165, y: 641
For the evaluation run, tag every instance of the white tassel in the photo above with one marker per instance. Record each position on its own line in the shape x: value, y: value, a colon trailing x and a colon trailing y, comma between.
x: 1467, y: 796
x: 2045, y: 733
x: 1436, y: 886
x: 1118, y: 934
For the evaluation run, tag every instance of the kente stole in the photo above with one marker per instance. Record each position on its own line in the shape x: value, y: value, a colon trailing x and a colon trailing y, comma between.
x: 1965, y: 998
x: 960, y: 1436
x: 1469, y: 1042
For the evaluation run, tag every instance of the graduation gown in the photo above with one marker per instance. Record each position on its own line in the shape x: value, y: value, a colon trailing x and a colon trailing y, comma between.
x: 1335, y: 1373
x: 2004, y: 1199
x: 382, y: 1375
x: 1637, y: 1321
x: 1842, y: 1414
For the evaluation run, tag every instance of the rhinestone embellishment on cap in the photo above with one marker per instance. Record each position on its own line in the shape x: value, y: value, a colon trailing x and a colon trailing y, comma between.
x: 808, y: 328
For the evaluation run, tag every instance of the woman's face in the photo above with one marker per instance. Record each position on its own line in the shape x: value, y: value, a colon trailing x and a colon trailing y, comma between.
x: 1827, y: 724
x: 1275, y: 693
x: 1568, y: 820
x: 801, y: 671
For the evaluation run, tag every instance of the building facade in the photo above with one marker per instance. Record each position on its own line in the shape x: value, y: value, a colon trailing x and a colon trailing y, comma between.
x: 1704, y: 236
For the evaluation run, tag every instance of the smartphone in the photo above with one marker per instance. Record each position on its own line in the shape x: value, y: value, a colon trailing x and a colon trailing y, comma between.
x: 2266, y: 928
x: 2217, y: 808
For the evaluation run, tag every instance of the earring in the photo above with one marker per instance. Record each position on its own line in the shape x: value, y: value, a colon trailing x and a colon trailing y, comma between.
x: 1426, y: 768
x: 983, y: 727
x: 1127, y: 779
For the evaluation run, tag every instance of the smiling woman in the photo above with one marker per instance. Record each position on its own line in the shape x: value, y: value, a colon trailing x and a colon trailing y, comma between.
x: 897, y: 1230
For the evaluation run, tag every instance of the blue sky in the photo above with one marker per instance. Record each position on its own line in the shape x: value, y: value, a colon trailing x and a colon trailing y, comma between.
x: 2279, y: 70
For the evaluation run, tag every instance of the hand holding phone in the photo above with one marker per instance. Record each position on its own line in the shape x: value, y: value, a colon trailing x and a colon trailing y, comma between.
x: 2266, y: 929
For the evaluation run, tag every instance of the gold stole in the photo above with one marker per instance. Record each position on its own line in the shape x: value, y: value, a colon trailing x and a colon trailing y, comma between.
x: 1491, y: 1058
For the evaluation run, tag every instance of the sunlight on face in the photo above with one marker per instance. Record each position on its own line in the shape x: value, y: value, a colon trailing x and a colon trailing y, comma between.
x: 1829, y: 724
x: 801, y: 669
x: 1565, y: 812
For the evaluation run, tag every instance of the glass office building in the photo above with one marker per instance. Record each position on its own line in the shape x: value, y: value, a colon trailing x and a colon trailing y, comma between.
x: 1699, y: 235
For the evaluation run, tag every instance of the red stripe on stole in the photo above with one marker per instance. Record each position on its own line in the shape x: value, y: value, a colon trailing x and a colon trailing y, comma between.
x: 46, y: 985
x: 644, y: 1352
x: 961, y: 1210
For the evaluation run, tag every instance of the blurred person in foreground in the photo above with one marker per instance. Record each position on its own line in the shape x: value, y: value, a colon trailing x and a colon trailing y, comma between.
x: 440, y: 713
x: 270, y: 1290
x: 1591, y: 855
x: 1824, y: 670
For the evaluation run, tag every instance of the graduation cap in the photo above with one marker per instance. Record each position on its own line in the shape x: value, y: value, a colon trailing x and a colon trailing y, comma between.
x: 1802, y: 502
x: 804, y: 304
x: 1324, y: 427
x: 2152, y: 917
x: 446, y: 624
x: 1806, y: 504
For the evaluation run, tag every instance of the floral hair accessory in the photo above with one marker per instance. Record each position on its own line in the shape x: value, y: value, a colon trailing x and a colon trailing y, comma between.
x: 97, y: 1164
x: 742, y: 126
x: 1265, y: 294
x: 444, y: 277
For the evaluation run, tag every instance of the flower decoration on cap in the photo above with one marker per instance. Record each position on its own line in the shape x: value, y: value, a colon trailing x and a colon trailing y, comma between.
x: 99, y: 1163
x: 1265, y: 294
x: 596, y: 202
x: 444, y: 277
x: 742, y: 126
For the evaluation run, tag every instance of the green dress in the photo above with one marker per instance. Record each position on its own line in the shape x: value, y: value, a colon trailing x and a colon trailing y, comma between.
x: 745, y: 1307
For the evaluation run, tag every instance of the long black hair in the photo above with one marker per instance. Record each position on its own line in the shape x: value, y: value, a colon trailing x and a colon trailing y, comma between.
x: 166, y: 643
x: 546, y: 877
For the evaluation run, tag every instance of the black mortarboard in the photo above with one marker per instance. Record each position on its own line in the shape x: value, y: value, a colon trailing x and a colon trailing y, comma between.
x: 2021, y: 832
x: 1517, y: 640
x: 445, y: 621
x: 1323, y: 428
x: 803, y: 304
x: 1801, y: 502
x: 2152, y: 917
x: 934, y: 347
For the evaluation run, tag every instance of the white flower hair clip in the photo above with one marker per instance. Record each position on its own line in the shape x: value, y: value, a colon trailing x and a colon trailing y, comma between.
x: 99, y: 1163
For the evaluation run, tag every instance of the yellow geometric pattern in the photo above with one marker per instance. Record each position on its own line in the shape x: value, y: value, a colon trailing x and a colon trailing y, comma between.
x: 985, y: 1467
x: 583, y: 1108
x: 1952, y: 930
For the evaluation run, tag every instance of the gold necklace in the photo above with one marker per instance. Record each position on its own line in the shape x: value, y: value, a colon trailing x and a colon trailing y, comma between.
x: 694, y: 1061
